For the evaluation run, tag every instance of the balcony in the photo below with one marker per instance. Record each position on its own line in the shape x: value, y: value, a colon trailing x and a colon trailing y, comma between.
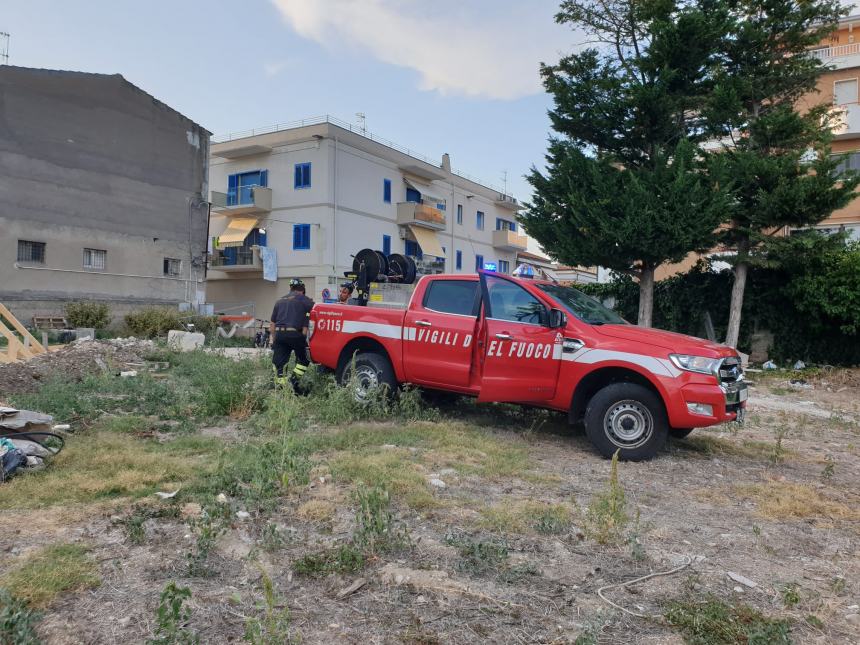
x: 236, y: 259
x: 508, y: 202
x: 509, y: 240
x: 846, y: 121
x: 252, y: 200
x: 840, y: 56
x: 415, y: 214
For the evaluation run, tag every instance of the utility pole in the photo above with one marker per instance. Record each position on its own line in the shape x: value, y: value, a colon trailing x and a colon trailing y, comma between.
x: 4, y: 48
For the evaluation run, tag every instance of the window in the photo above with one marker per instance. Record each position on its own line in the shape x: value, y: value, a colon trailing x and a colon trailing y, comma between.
x: 240, y: 186
x: 452, y: 296
x: 172, y: 266
x: 302, y: 176
x: 386, y: 191
x: 845, y: 92
x: 848, y: 161
x: 459, y: 213
x: 413, y: 195
x: 31, y: 252
x: 459, y: 264
x: 413, y: 249
x: 509, y: 301
x: 479, y: 220
x: 95, y: 259
x: 479, y: 262
x: 386, y: 245
x: 301, y: 237
x: 256, y: 237
x: 505, y: 225
x: 504, y: 266
x: 583, y: 307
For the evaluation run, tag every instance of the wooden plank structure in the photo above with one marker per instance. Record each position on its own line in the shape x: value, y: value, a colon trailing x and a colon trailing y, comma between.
x: 21, y: 344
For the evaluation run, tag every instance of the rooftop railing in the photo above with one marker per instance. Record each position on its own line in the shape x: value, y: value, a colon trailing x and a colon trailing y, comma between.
x: 363, y: 132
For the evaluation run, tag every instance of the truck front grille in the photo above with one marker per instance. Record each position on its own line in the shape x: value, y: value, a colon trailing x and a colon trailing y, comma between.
x: 730, y: 370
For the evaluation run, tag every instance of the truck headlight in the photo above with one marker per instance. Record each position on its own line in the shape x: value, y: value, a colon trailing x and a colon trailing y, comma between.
x: 700, y: 364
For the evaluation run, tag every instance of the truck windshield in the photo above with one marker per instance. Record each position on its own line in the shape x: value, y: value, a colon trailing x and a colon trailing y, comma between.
x: 583, y: 307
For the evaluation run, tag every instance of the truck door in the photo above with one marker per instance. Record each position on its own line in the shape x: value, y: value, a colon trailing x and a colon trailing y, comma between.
x: 517, y: 344
x: 439, y: 333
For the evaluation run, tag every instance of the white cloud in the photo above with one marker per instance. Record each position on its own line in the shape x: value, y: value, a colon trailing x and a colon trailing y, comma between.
x: 482, y: 49
x: 273, y: 68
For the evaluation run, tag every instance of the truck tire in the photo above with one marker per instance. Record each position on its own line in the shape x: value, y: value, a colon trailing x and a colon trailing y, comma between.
x: 679, y: 433
x: 628, y: 418
x: 371, y: 370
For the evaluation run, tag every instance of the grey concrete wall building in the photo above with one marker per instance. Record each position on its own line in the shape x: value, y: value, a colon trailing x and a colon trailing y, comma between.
x: 102, y: 194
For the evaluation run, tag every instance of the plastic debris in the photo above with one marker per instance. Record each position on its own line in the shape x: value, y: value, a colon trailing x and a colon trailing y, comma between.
x: 800, y: 365
x: 769, y: 365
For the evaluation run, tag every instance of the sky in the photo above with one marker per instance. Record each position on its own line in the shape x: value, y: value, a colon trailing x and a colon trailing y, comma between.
x: 436, y: 76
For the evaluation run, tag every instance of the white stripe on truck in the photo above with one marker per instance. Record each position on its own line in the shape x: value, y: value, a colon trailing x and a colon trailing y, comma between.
x: 663, y: 367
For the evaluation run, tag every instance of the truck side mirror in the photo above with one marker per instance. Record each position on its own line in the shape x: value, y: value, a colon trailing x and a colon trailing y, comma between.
x: 557, y: 318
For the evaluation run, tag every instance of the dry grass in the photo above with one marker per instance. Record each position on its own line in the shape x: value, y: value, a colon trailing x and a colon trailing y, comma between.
x: 748, y: 448
x: 395, y: 469
x: 524, y: 516
x: 782, y: 500
x: 105, y: 465
x: 51, y: 571
x: 316, y: 510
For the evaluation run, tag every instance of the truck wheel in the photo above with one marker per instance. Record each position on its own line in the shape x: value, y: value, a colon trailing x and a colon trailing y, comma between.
x: 679, y: 433
x: 629, y: 418
x: 372, y: 370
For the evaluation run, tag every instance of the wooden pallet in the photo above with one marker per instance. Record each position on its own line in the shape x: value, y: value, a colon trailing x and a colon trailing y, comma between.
x: 49, y: 322
x: 22, y: 345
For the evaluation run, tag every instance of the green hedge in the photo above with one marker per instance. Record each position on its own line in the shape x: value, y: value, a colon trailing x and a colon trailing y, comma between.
x: 157, y: 321
x: 811, y: 302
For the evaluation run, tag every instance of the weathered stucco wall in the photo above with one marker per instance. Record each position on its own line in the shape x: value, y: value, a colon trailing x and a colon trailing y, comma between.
x: 91, y: 161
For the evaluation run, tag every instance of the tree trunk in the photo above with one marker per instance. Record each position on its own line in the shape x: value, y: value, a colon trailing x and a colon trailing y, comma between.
x: 646, y: 296
x: 737, y: 302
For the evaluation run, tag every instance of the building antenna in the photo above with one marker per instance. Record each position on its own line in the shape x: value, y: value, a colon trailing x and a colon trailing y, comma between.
x: 362, y: 121
x: 4, y: 48
x: 505, y: 179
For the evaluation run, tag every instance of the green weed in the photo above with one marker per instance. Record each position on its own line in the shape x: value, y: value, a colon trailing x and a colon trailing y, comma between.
x: 376, y: 531
x: 273, y: 627
x: 133, y: 523
x: 829, y: 468
x: 206, y: 530
x: 17, y: 621
x: 478, y: 556
x: 790, y: 595
x: 173, y: 617
x: 346, y: 558
x: 714, y: 622
x: 606, y: 517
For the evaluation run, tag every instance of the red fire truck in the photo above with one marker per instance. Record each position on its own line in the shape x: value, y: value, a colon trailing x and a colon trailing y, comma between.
x: 536, y: 343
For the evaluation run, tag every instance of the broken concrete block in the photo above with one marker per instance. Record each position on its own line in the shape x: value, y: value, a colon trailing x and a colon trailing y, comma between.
x: 184, y: 341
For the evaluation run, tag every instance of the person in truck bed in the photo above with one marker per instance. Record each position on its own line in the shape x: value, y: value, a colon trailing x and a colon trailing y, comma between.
x: 289, y: 328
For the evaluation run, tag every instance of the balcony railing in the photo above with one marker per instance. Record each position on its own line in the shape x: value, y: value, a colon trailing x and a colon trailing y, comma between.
x: 247, y: 200
x: 420, y: 215
x: 837, y: 51
x: 239, y: 258
x: 509, y: 240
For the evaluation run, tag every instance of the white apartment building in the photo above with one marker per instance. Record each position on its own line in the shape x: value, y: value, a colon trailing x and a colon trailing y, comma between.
x: 318, y: 191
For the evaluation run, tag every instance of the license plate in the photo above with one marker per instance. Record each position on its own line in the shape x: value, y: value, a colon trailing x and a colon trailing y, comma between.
x: 741, y: 415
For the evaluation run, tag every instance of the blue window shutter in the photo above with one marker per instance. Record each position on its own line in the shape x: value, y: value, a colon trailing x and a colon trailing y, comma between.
x: 459, y: 259
x: 232, y: 188
x: 307, y: 176
x: 386, y: 245
x: 479, y: 262
x: 297, y: 180
x: 297, y: 236
x: 386, y: 191
x: 308, y: 229
x: 264, y: 178
x: 413, y: 195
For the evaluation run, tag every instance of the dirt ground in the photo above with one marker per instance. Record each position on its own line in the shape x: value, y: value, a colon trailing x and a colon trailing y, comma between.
x: 767, y: 515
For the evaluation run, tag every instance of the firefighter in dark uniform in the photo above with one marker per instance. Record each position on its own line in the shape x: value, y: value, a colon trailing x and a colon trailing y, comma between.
x: 289, y: 329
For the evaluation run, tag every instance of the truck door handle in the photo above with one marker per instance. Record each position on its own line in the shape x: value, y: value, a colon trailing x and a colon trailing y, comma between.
x: 503, y: 336
x: 423, y: 323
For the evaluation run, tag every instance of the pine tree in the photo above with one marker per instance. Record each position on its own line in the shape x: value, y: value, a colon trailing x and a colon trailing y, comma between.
x: 624, y: 186
x: 776, y: 161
